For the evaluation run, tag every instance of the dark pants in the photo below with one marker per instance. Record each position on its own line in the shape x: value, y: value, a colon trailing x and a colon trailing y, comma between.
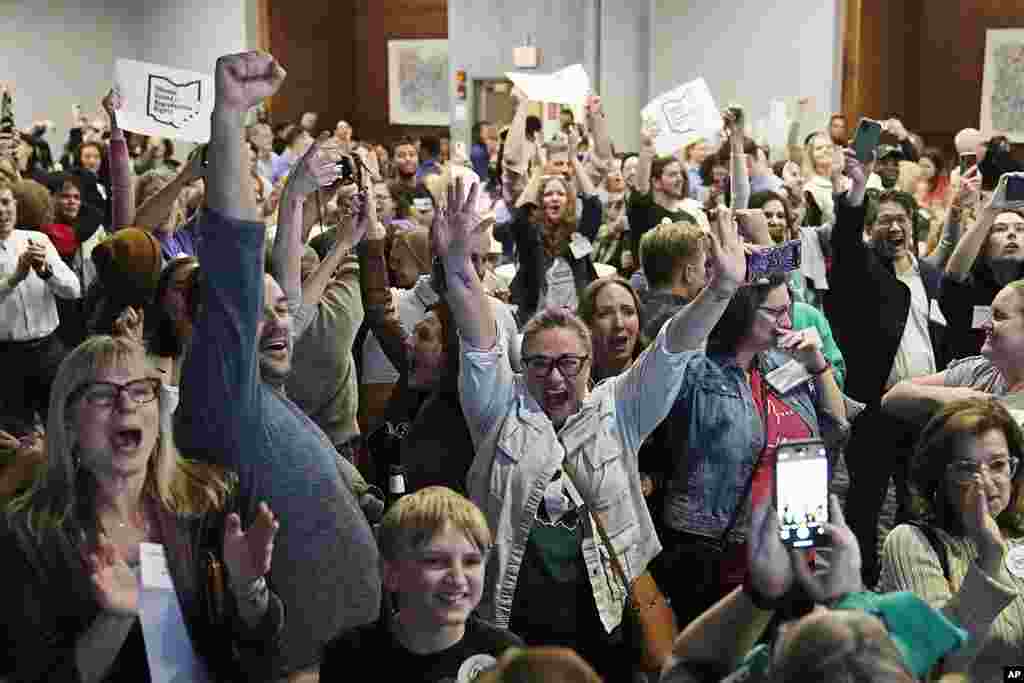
x: 27, y: 370
x: 607, y: 653
x: 880, y: 448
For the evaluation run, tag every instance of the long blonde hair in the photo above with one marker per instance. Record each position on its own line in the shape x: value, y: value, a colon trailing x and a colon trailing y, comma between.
x: 58, y: 511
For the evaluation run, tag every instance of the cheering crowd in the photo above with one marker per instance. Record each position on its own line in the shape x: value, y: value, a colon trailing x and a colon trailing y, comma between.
x: 448, y: 414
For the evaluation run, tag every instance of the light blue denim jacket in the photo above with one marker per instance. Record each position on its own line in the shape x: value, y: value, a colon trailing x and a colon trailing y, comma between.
x: 518, y: 451
x: 717, y: 434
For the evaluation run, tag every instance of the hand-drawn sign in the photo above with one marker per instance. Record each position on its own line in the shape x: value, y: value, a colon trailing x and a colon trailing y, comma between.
x: 173, y: 104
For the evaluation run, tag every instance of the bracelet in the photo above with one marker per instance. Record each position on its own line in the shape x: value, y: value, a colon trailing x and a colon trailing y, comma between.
x: 760, y: 600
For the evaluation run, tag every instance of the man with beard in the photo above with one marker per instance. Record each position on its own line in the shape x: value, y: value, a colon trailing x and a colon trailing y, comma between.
x: 406, y: 162
x: 234, y: 410
x: 659, y: 195
x: 882, y: 278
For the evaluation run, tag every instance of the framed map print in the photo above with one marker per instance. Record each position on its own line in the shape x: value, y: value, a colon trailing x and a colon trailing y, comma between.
x: 1002, y: 90
x: 418, y: 91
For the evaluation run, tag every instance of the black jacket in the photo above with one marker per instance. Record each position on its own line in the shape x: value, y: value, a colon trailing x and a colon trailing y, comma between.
x: 530, y: 282
x: 867, y: 306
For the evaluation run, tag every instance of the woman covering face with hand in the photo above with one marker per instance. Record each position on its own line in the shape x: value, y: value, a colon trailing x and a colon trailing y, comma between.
x: 111, y: 481
x: 966, y: 555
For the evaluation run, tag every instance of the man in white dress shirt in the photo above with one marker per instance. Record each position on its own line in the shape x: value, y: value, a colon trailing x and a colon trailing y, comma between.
x: 32, y: 273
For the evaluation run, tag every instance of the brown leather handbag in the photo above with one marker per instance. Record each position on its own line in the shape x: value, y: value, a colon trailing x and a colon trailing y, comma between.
x: 647, y: 618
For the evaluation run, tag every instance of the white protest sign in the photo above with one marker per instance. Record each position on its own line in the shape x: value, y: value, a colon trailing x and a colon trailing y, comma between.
x: 569, y: 86
x: 682, y: 115
x: 163, y: 101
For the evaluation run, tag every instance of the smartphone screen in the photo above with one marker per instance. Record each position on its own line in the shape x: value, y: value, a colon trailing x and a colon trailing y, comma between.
x: 1014, y: 188
x: 801, y: 492
x: 866, y: 140
x: 967, y: 160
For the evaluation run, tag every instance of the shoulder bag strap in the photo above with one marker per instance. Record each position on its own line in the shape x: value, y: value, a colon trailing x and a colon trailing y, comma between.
x: 620, y: 572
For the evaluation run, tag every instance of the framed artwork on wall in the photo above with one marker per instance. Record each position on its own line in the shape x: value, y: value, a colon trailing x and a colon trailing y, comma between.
x: 418, y: 89
x: 1002, y: 90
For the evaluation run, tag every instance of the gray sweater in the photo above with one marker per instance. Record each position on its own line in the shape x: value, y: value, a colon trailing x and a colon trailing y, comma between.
x: 325, y: 564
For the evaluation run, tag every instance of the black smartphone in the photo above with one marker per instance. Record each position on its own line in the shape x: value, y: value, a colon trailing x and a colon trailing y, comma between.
x: 1014, y: 188
x: 865, y: 140
x: 776, y: 260
x: 6, y: 113
x: 967, y: 160
x: 737, y: 111
x: 801, y: 492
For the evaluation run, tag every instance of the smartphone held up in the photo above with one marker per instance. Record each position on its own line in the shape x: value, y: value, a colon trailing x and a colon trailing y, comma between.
x: 866, y: 139
x: 801, y: 492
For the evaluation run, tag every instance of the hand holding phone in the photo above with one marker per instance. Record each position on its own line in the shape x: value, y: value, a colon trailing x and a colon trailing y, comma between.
x: 763, y: 262
x: 1009, y: 192
x: 967, y: 161
x: 865, y: 140
x: 801, y: 492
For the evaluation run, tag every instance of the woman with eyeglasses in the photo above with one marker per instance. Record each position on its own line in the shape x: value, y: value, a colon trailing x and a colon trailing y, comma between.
x: 724, y: 431
x: 554, y: 454
x: 111, y: 481
x: 966, y: 554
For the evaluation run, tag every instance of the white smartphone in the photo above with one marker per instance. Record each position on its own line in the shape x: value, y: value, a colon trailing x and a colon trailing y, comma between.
x: 801, y: 492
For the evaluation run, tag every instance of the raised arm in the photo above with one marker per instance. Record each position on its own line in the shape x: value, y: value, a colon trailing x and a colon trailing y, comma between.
x: 646, y: 157
x: 516, y: 157
x: 316, y: 169
x: 122, y: 194
x: 738, y: 171
x: 219, y: 389
x: 452, y: 237
x: 378, y: 303
x: 351, y: 230
x: 970, y: 244
x: 152, y: 214
x: 598, y: 126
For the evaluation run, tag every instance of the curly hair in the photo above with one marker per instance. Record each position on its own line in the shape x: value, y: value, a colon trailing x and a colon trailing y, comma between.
x: 938, y: 445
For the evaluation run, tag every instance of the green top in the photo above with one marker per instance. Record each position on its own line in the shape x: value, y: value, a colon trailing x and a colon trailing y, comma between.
x: 805, y: 316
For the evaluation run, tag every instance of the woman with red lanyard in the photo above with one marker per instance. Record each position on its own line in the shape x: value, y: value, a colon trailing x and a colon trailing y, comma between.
x: 730, y: 416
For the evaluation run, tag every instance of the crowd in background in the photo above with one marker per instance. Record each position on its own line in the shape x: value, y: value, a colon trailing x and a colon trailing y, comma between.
x: 430, y: 411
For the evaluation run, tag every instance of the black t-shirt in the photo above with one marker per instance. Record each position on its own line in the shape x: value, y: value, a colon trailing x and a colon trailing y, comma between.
x: 644, y: 213
x: 478, y: 650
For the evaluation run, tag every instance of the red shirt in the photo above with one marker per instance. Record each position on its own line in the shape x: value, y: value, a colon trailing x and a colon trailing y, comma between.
x: 781, y: 423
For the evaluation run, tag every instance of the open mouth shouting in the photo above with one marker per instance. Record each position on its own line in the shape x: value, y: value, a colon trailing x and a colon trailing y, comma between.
x: 126, y: 439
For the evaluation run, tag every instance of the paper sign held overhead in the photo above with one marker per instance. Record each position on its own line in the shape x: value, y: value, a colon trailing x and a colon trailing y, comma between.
x: 682, y: 115
x: 569, y: 86
x: 164, y: 101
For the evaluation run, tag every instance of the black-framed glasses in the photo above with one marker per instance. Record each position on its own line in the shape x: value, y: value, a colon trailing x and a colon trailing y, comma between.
x: 569, y: 364
x: 965, y: 470
x: 106, y: 394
